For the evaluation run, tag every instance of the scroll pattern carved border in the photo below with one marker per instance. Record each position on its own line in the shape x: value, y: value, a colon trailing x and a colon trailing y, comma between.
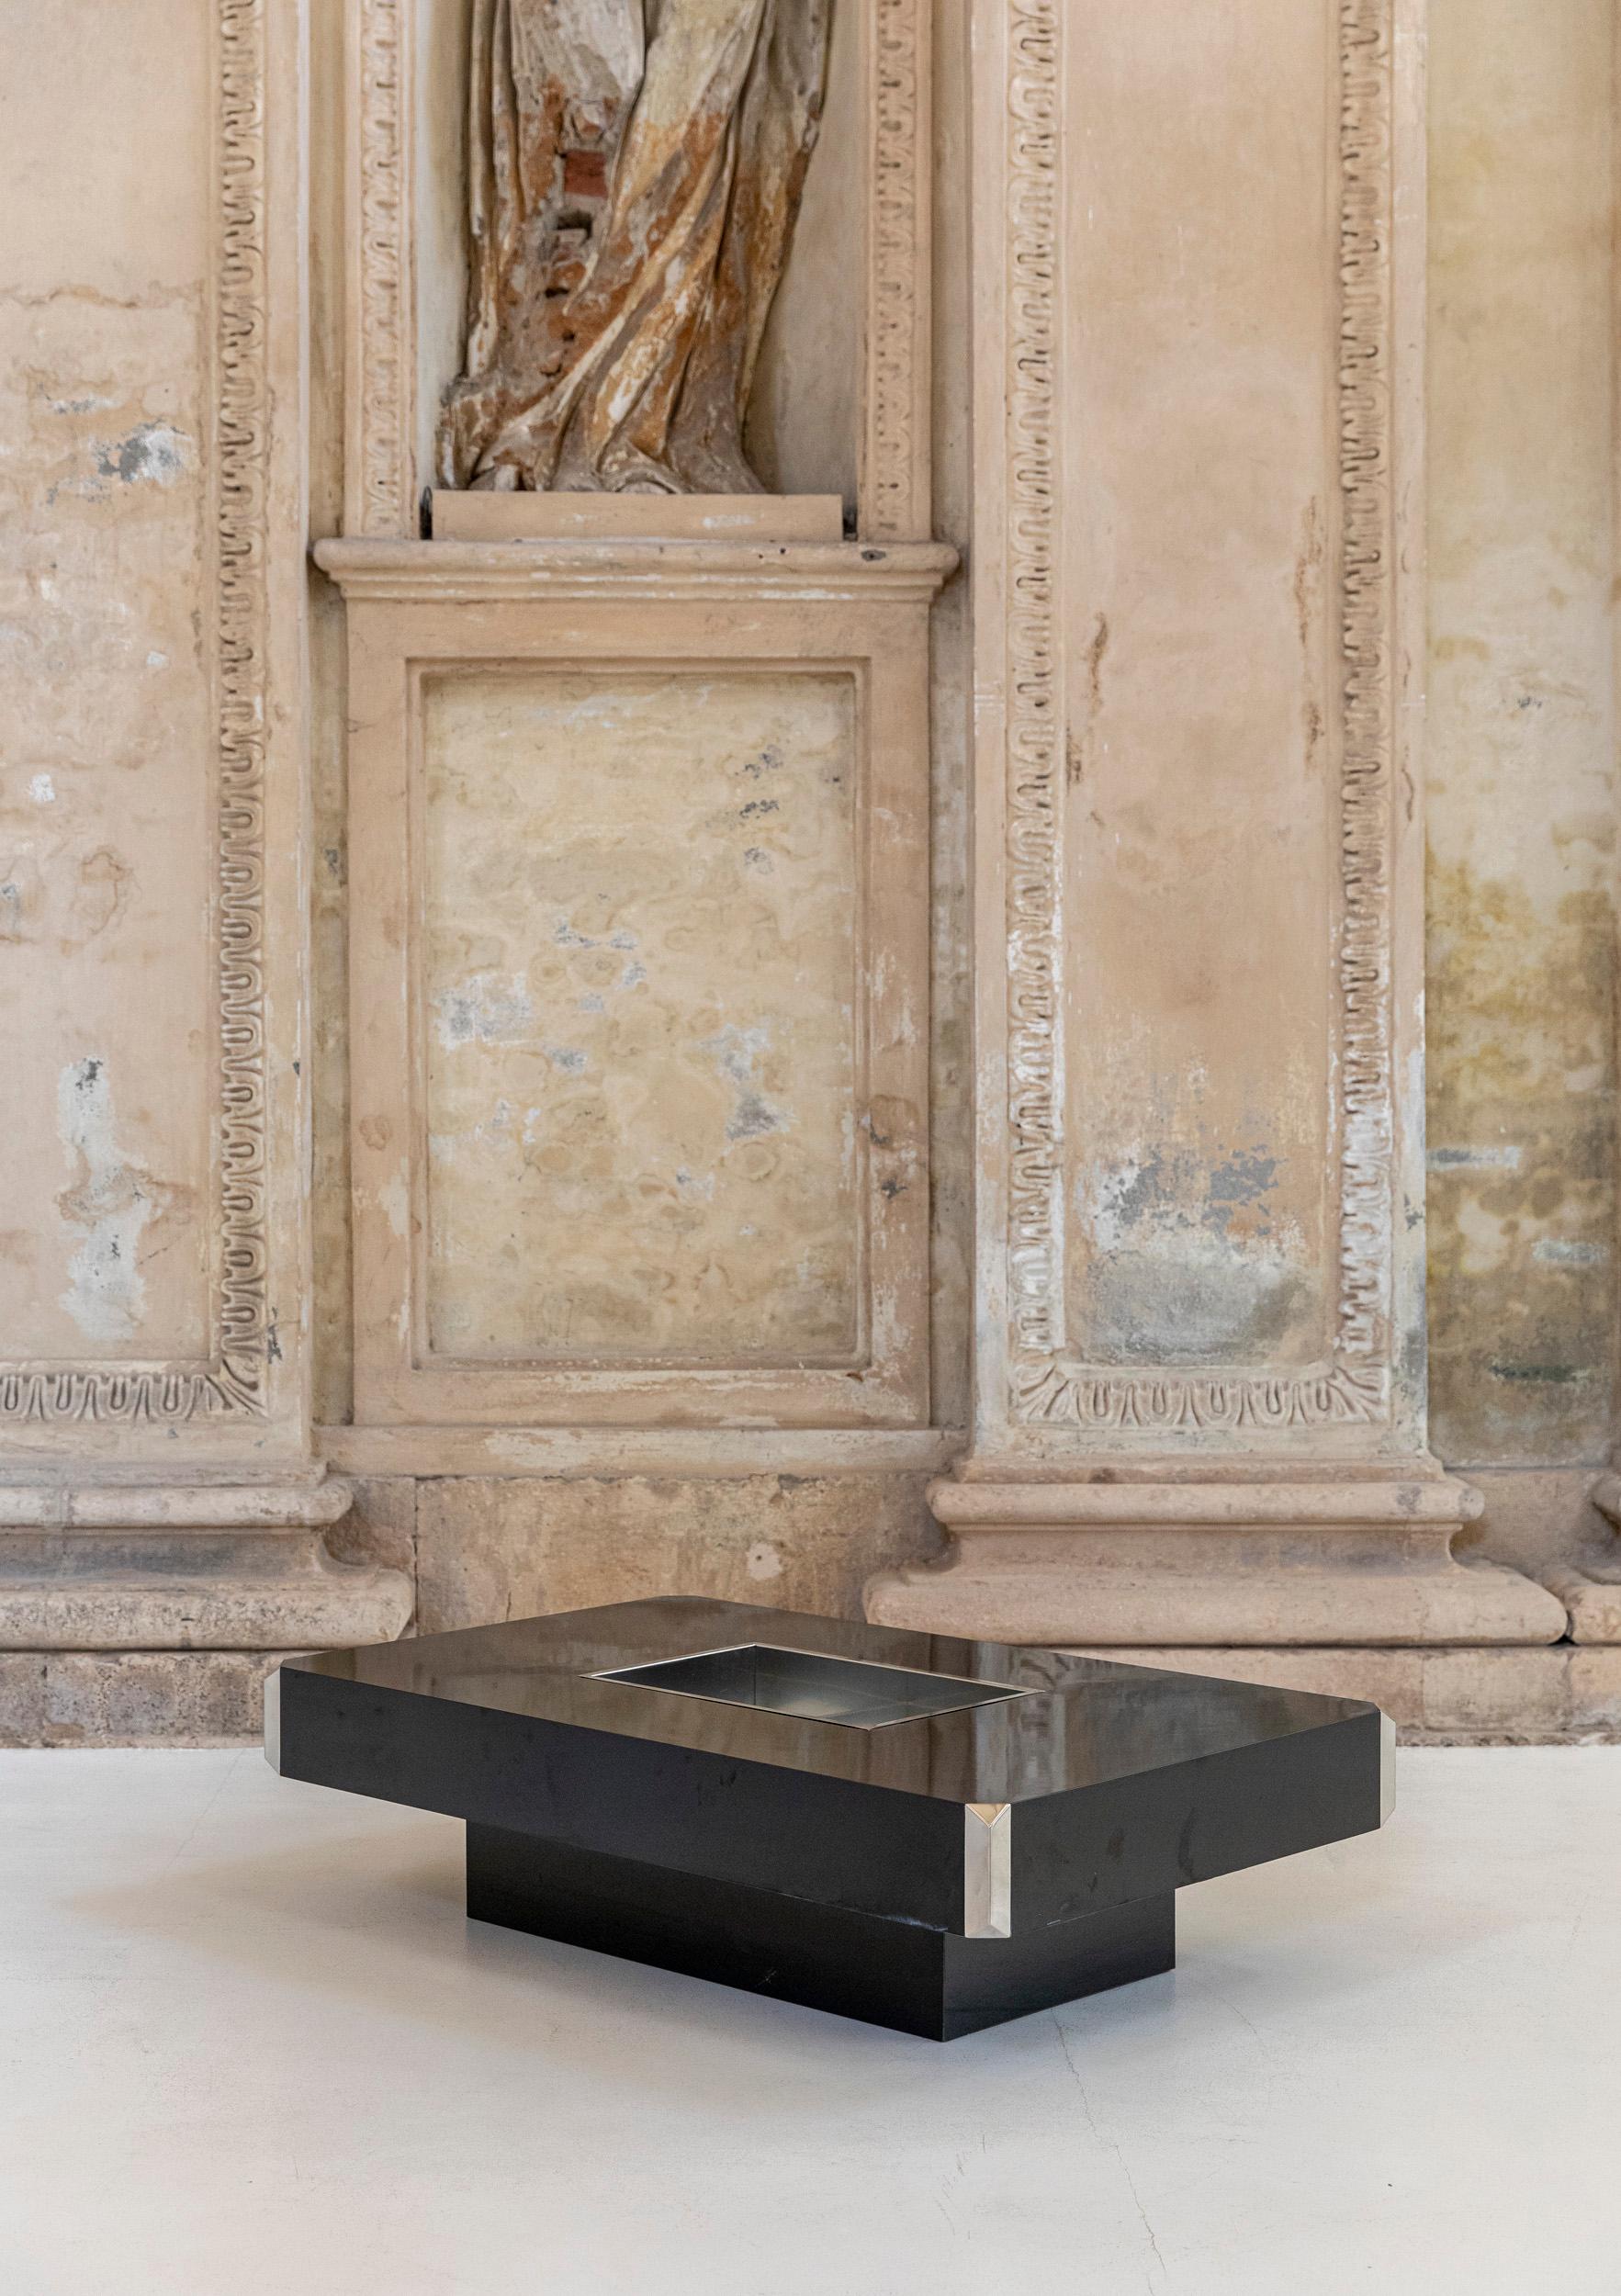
x: 895, y: 505
x: 1355, y: 1385
x: 381, y: 492
x: 233, y: 1381
x: 381, y: 482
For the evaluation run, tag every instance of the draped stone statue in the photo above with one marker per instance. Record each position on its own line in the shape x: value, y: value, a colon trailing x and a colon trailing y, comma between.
x: 634, y: 169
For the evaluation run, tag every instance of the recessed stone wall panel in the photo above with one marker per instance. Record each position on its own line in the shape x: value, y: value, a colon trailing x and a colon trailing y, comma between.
x: 642, y: 902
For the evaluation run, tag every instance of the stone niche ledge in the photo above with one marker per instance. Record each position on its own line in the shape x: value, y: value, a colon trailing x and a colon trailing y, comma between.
x: 678, y: 572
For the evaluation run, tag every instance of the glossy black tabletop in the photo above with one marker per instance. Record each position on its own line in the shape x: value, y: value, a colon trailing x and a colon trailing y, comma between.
x: 1018, y: 1724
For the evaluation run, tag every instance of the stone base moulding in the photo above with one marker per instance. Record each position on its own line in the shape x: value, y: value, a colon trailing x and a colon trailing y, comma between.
x: 1212, y: 1564
x: 1590, y: 1586
x: 158, y: 1569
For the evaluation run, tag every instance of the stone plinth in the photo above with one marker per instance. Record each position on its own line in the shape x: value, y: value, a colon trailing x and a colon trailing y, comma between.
x: 1199, y: 1407
x: 1219, y: 1564
x: 149, y: 1612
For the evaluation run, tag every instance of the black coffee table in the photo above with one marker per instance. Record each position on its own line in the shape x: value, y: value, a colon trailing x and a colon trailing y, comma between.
x: 929, y: 1834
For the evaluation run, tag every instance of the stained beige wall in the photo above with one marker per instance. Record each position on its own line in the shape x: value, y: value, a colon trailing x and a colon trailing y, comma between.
x: 105, y: 684
x: 154, y: 832
x: 1521, y: 742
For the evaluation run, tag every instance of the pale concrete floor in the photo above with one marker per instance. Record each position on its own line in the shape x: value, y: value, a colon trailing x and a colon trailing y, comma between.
x: 247, y: 2044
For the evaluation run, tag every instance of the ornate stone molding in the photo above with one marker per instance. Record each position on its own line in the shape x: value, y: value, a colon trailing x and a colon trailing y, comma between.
x: 894, y: 486
x: 380, y: 486
x: 1034, y: 716
x: 232, y: 1381
x: 1355, y: 1384
x: 449, y: 572
x: 240, y: 528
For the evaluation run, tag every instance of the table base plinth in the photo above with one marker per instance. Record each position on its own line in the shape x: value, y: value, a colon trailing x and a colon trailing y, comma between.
x: 899, y: 1973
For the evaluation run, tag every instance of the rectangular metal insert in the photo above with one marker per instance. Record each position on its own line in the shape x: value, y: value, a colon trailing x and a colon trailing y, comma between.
x: 817, y: 1689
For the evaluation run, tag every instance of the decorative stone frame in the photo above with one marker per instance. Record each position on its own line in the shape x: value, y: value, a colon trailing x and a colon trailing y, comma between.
x: 806, y: 607
x: 383, y: 483
x: 1379, y: 932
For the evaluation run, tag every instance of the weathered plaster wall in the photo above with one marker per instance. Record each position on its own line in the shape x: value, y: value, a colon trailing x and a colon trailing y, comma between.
x: 950, y: 736
x: 105, y: 691
x: 1522, y: 796
x: 488, y: 1548
x: 1518, y: 456
x: 1196, y: 319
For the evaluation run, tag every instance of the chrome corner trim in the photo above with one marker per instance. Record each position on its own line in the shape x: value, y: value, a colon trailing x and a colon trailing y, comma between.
x: 1387, y: 1769
x: 988, y: 1869
x: 272, y: 1719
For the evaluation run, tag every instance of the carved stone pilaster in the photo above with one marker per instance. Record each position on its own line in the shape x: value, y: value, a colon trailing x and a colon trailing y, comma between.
x: 45, y: 1404
x: 1199, y: 1377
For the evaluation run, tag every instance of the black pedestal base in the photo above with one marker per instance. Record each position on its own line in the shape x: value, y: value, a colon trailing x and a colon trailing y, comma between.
x: 897, y: 1974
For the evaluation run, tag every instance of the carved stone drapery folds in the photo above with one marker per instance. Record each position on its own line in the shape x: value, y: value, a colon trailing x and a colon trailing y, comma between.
x: 634, y: 172
x: 385, y: 472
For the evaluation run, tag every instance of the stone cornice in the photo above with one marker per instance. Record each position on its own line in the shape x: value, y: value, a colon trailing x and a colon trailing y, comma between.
x: 660, y: 570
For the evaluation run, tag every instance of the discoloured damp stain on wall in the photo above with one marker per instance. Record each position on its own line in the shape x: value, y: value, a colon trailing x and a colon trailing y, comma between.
x: 106, y: 1203
x: 1190, y: 1257
x: 738, y: 1053
x: 483, y: 1010
x: 1523, y: 791
x: 153, y: 453
x: 1522, y: 1279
